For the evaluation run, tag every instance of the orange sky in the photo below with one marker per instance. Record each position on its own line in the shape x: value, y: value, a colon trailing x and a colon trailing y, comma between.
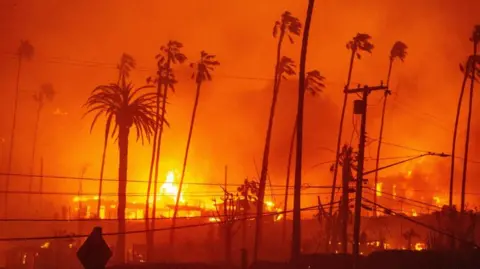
x: 78, y: 43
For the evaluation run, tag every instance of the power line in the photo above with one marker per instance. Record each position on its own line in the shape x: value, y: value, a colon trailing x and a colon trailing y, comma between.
x: 9, y: 239
x: 393, y: 213
x: 114, y: 180
x: 403, y: 198
x: 192, y: 194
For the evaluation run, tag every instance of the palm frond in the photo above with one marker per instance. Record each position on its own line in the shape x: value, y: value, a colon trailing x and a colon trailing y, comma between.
x: 127, y: 64
x: 291, y: 23
x: 203, y: 67
x: 25, y: 50
x: 314, y: 82
x: 361, y: 42
x: 476, y: 34
x: 399, y: 50
x: 286, y: 66
x: 275, y: 28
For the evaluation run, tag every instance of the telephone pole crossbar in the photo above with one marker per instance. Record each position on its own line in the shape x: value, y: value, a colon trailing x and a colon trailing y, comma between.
x: 361, y: 109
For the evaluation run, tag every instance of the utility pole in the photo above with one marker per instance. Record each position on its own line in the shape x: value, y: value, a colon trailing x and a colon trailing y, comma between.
x: 361, y: 109
x: 344, y: 205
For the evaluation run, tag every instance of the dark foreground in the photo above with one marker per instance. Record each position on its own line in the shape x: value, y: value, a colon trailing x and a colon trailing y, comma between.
x: 394, y: 259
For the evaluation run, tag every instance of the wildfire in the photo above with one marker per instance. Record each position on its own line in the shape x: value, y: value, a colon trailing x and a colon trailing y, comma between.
x: 169, y: 188
x: 213, y: 219
x: 419, y: 246
x: 414, y: 213
x: 379, y: 188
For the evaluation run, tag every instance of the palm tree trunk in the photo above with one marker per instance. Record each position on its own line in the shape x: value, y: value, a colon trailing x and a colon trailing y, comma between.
x: 467, y: 140
x: 149, y: 237
x: 455, y: 129
x: 382, y: 121
x: 34, y: 147
x: 102, y: 168
x: 180, y: 185
x: 157, y: 163
x: 122, y: 191
x: 296, y: 235
x: 266, y: 151
x: 339, y: 141
x: 287, y: 183
x: 12, y: 138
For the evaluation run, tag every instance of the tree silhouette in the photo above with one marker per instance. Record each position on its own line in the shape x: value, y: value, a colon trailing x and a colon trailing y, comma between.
x: 360, y: 43
x: 46, y: 93
x: 313, y: 85
x: 201, y: 73
x: 285, y: 68
x: 127, y: 63
x: 475, y: 40
x: 399, y: 51
x: 24, y: 52
x: 289, y: 26
x: 467, y: 73
x: 296, y: 234
x: 125, y: 107
x: 169, y: 54
x: 249, y: 193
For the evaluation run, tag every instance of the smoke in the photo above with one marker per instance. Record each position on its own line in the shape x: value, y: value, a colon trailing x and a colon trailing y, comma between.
x: 233, y: 113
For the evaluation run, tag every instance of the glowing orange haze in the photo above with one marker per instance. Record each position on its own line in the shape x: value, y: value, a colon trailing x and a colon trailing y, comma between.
x: 78, y: 44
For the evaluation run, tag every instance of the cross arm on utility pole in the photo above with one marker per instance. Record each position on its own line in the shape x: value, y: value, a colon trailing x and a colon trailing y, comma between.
x: 366, y: 88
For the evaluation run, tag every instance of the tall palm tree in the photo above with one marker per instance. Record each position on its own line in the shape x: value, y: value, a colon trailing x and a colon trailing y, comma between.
x: 286, y: 67
x: 125, y: 107
x: 296, y: 235
x: 288, y: 26
x: 169, y: 54
x: 46, y: 93
x: 202, y: 69
x: 25, y: 52
x: 465, y: 69
x: 313, y: 85
x: 399, y: 51
x: 127, y: 63
x: 475, y: 40
x: 360, y: 43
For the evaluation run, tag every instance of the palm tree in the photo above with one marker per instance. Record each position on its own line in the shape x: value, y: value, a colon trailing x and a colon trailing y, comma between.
x: 475, y: 40
x: 296, y: 235
x: 313, y: 85
x: 25, y: 52
x: 126, y: 107
x: 465, y: 69
x: 169, y: 54
x: 45, y: 93
x: 360, y: 43
x: 286, y: 67
x: 289, y: 26
x: 201, y: 73
x: 127, y: 63
x: 399, y: 51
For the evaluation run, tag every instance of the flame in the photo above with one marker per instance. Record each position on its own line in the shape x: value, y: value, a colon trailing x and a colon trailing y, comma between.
x: 409, y: 173
x: 394, y: 191
x: 45, y: 245
x: 212, y: 219
x: 414, y: 213
x: 170, y: 189
x: 437, y: 200
x: 419, y: 246
x: 379, y: 188
x: 270, y: 205
x: 280, y: 215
